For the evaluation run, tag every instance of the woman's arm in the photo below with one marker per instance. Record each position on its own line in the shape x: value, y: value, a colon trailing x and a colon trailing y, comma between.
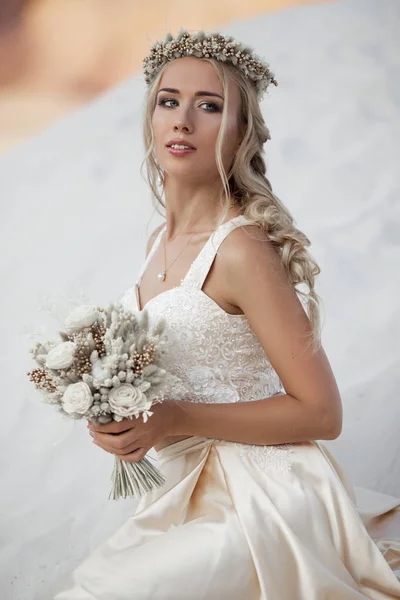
x: 255, y: 282
x: 278, y: 419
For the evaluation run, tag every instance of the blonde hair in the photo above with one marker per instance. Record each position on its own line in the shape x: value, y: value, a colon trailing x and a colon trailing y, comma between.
x: 247, y: 183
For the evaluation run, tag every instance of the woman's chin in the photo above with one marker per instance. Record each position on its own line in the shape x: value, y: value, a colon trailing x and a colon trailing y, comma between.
x: 187, y: 173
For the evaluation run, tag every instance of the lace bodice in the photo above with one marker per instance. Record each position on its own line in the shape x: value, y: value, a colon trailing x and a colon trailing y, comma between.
x: 217, y: 355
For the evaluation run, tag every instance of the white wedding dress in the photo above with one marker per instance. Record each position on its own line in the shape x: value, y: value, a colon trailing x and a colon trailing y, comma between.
x: 236, y: 521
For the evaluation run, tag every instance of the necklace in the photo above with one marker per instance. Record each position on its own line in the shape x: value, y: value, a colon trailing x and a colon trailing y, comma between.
x: 161, y: 276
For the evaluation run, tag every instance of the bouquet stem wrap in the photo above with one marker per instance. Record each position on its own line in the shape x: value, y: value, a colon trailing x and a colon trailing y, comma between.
x: 134, y: 479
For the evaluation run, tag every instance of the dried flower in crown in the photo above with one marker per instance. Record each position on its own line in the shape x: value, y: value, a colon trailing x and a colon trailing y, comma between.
x: 214, y: 45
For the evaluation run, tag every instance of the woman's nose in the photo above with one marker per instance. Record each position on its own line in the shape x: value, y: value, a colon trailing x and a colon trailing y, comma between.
x: 183, y: 121
x: 181, y: 126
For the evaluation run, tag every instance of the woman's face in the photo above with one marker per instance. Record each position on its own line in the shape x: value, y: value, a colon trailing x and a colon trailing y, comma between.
x: 189, y: 108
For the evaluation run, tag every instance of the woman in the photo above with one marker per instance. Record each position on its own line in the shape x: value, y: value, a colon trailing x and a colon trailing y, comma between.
x: 253, y: 506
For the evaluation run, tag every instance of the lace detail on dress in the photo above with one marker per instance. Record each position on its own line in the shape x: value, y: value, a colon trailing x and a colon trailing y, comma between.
x: 278, y: 457
x: 216, y: 355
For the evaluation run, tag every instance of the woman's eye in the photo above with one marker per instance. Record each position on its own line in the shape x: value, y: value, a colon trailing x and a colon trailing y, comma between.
x: 164, y: 102
x: 212, y: 107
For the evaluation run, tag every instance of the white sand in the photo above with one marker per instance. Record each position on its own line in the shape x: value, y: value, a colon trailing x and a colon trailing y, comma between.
x: 75, y: 217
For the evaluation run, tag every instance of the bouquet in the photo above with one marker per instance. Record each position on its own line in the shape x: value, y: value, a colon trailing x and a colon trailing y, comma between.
x: 107, y: 366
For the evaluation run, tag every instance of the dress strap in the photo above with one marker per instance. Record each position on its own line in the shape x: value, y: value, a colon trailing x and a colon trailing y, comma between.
x: 150, y: 254
x: 200, y: 267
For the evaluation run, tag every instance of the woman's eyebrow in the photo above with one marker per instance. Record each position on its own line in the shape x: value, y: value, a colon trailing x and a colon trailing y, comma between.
x: 199, y: 93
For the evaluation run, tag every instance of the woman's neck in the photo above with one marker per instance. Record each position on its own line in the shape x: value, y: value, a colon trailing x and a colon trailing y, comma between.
x: 194, y: 210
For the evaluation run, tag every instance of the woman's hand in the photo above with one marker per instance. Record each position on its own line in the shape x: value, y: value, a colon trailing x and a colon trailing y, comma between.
x: 131, y: 439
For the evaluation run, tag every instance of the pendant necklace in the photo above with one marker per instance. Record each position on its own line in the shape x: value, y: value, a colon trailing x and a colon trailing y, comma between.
x: 161, y: 276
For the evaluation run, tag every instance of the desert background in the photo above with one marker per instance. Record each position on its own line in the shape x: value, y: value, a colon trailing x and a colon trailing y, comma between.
x: 76, y: 214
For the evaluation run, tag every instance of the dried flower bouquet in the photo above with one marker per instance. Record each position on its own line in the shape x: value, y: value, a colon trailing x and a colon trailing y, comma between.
x: 108, y: 366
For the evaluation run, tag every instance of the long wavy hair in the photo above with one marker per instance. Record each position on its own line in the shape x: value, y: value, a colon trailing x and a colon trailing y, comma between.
x: 246, y: 183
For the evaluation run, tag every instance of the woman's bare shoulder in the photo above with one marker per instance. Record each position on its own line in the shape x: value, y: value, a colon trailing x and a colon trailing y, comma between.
x: 246, y: 243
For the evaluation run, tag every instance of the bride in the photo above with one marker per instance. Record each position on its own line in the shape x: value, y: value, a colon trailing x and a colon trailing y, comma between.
x: 254, y: 506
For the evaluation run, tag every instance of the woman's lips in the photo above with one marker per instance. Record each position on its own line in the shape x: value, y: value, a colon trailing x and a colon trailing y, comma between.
x: 180, y: 151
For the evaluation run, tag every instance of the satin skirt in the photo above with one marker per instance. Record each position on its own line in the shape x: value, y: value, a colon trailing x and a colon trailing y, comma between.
x: 229, y: 526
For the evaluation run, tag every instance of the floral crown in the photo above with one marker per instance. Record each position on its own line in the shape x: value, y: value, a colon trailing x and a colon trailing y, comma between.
x: 214, y: 45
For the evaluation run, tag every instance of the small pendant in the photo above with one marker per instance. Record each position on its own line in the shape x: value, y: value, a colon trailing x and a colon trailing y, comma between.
x: 161, y: 276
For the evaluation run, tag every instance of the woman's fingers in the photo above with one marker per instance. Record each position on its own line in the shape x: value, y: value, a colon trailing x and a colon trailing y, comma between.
x: 129, y: 453
x: 113, y: 426
x: 134, y: 456
x: 118, y: 438
x: 114, y: 443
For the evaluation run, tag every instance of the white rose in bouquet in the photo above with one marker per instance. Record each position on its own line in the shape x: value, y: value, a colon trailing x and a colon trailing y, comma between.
x: 61, y: 357
x: 77, y: 398
x: 127, y: 400
x: 80, y: 317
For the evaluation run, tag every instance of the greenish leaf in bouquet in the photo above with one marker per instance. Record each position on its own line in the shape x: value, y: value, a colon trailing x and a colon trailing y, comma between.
x: 64, y: 336
x: 159, y: 328
x: 149, y: 370
x: 141, y: 342
x: 87, y: 378
x: 144, y: 321
x: 41, y: 360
